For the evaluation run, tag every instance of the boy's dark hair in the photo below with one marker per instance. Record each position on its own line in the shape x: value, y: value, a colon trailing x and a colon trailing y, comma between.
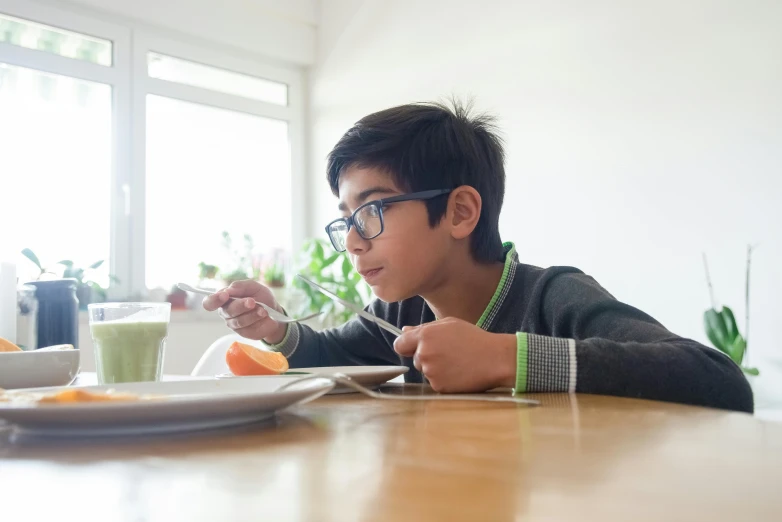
x: 426, y: 146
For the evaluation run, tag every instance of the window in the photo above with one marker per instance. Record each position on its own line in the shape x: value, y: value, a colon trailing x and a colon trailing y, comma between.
x: 31, y: 35
x: 113, y: 139
x: 227, y: 171
x: 60, y: 94
x: 212, y: 135
x: 190, y: 73
x: 56, y: 133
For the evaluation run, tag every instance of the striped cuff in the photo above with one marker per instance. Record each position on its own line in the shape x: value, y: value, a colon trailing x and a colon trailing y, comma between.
x: 289, y: 343
x: 545, y: 364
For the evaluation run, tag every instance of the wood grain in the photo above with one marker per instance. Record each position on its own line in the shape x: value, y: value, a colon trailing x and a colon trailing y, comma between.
x: 345, y: 458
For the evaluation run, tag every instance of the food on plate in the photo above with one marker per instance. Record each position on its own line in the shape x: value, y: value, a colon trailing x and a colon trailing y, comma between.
x: 243, y: 359
x: 8, y: 346
x: 68, y: 396
x: 76, y: 395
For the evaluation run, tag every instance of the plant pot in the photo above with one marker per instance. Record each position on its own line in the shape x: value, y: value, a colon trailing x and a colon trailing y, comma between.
x: 178, y: 301
x: 85, y: 296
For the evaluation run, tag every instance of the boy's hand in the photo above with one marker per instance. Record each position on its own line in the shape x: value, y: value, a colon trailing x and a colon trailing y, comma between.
x: 244, y: 316
x: 456, y: 356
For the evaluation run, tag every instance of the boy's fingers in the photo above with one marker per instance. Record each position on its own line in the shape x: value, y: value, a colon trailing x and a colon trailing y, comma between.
x: 417, y: 362
x: 407, y: 343
x: 214, y: 301
x: 244, y: 320
x: 259, y: 330
x: 237, y: 307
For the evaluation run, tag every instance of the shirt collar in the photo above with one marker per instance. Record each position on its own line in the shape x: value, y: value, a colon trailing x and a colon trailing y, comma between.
x: 511, y: 260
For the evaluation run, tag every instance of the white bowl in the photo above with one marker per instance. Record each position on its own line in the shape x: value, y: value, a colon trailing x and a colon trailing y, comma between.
x: 38, y: 368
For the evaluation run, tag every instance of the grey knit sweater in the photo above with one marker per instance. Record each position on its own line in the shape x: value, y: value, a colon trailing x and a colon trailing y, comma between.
x: 572, y: 336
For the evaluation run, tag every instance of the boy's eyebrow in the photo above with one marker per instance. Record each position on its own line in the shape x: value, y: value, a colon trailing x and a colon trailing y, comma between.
x: 364, y: 195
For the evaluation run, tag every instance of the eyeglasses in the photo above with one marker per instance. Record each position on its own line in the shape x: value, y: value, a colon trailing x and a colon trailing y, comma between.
x: 368, y: 218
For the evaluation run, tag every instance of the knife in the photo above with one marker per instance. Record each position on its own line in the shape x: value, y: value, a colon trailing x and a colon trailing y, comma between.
x: 353, y: 308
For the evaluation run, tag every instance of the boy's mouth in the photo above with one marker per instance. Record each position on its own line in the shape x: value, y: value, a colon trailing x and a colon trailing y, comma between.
x: 370, y: 274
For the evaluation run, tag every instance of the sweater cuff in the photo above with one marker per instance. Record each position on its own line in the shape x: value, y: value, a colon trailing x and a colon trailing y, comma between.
x: 521, y: 363
x: 545, y: 364
x: 289, y: 343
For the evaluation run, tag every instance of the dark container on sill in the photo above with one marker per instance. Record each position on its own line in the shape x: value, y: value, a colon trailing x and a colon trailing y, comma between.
x: 58, y: 312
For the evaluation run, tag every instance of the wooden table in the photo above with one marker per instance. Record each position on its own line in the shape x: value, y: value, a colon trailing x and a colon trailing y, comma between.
x: 348, y: 458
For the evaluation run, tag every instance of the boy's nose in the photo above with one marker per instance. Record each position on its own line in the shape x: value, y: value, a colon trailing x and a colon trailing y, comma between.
x: 354, y: 243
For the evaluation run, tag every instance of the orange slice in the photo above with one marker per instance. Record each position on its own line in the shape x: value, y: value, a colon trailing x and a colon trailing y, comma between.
x: 243, y: 359
x: 77, y: 395
x: 8, y: 346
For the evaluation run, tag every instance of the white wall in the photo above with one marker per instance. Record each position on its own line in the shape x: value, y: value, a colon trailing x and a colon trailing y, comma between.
x: 639, y: 134
x: 284, y: 31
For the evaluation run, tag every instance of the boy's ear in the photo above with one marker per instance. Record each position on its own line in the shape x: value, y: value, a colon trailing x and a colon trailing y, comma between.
x: 464, y: 210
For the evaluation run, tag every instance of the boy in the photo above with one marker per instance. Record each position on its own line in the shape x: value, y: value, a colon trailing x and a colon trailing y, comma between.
x: 420, y: 188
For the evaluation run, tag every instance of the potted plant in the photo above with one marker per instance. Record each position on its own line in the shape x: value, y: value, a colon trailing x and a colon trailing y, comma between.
x: 274, y: 272
x: 178, y: 298
x: 87, y: 289
x: 241, y: 263
x: 207, y: 271
x: 273, y: 275
x: 721, y: 327
x: 234, y: 275
x: 334, y: 271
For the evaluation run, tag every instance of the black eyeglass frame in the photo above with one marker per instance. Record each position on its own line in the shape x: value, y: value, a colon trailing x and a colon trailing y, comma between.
x: 380, y: 203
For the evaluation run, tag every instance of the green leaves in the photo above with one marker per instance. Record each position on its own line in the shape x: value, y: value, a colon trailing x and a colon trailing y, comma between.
x: 730, y: 322
x: 346, y: 267
x: 70, y: 270
x: 721, y: 327
x: 330, y: 261
x: 737, y: 349
x: 207, y: 271
x: 334, y: 271
x: 29, y: 254
x: 722, y: 331
x: 716, y: 329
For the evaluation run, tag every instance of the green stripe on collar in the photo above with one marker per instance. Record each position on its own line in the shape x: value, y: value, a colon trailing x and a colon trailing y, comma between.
x: 496, y: 300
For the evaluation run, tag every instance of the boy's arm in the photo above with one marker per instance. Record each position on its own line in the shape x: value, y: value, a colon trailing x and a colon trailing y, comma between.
x: 357, y: 342
x: 603, y: 346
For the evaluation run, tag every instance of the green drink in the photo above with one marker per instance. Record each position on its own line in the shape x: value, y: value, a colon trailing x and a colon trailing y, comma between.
x: 129, y: 340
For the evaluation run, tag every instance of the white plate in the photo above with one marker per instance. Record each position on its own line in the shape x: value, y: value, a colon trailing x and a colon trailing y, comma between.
x: 369, y: 376
x: 38, y: 368
x: 187, y: 405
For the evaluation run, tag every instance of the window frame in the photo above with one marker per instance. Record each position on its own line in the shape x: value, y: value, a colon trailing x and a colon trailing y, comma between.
x: 130, y: 83
x: 117, y: 76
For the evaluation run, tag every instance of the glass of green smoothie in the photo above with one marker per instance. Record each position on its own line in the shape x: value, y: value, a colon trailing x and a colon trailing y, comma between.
x: 129, y: 340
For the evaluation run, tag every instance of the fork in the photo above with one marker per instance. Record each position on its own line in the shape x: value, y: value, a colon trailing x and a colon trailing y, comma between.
x: 274, y: 314
x: 341, y: 378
